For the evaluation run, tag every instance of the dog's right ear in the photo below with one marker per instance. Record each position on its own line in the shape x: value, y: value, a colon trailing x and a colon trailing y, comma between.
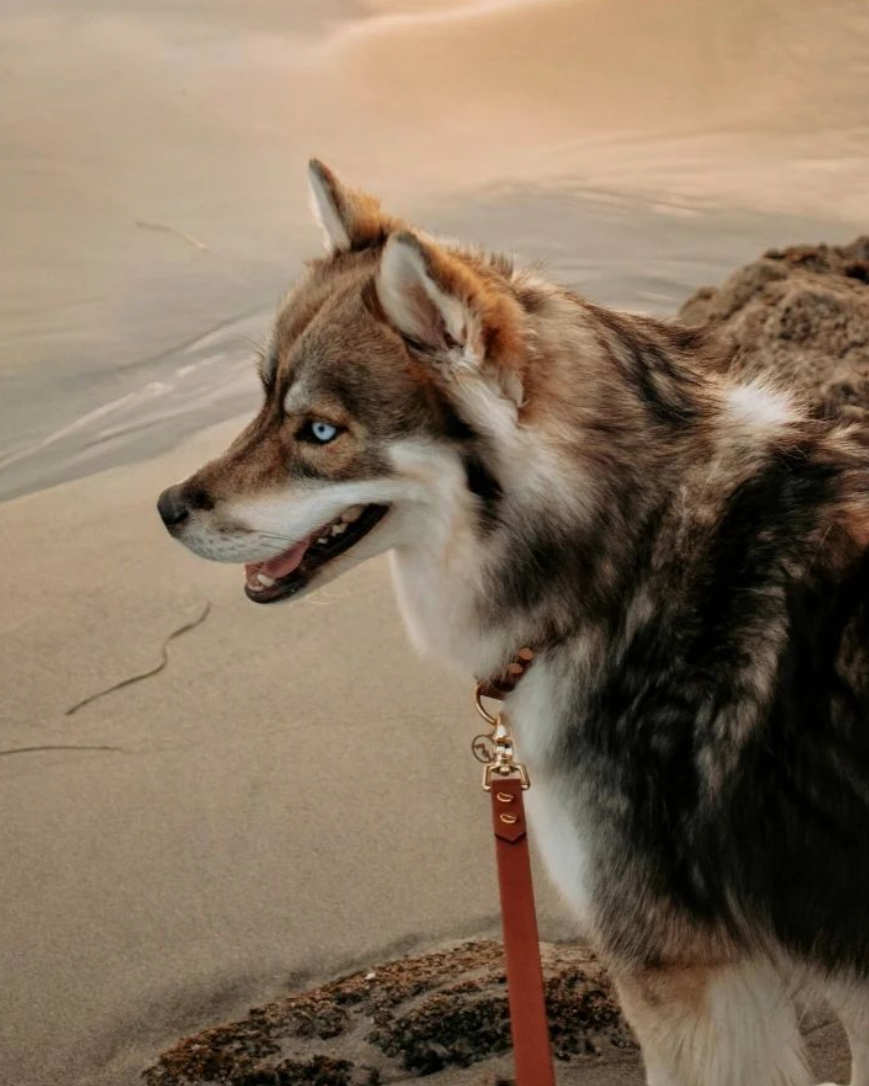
x: 350, y: 219
x: 455, y: 315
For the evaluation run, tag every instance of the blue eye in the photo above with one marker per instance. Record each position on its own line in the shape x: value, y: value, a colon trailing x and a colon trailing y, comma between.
x: 324, y: 431
x: 318, y: 432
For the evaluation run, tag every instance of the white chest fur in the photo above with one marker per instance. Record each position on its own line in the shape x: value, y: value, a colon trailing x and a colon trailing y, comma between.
x: 438, y: 615
x: 553, y: 806
x: 435, y: 611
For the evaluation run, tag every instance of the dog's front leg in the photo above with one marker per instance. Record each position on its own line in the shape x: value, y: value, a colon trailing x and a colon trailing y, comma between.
x: 727, y: 1025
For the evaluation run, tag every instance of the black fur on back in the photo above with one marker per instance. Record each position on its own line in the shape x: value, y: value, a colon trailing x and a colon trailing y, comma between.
x: 720, y: 748
x: 760, y: 828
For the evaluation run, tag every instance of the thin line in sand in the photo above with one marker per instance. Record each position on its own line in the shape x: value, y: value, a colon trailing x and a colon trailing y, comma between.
x: 161, y: 228
x: 164, y: 651
x: 59, y: 746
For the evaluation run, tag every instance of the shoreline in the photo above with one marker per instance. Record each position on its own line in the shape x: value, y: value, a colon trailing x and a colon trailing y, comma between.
x: 153, y: 406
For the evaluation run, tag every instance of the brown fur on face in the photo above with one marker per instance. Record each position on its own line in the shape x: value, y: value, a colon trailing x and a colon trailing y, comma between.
x: 394, y: 336
x: 324, y: 368
x: 334, y: 355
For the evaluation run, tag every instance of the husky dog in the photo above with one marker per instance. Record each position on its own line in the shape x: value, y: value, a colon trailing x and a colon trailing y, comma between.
x: 685, y: 554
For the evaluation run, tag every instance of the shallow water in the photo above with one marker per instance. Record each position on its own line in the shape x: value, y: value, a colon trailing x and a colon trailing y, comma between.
x: 153, y: 204
x: 626, y: 253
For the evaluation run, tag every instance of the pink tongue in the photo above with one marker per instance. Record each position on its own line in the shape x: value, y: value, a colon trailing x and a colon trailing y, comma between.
x: 284, y: 563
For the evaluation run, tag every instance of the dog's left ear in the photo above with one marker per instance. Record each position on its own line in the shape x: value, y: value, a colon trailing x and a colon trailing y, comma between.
x: 451, y: 312
x: 350, y: 219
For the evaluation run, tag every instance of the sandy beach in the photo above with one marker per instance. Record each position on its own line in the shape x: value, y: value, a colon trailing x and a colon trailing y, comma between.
x: 204, y: 804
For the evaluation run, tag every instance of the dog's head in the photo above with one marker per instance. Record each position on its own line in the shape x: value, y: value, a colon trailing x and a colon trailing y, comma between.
x: 394, y: 366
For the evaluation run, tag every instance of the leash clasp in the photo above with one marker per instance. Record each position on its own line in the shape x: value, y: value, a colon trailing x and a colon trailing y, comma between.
x: 481, y: 708
x: 501, y: 762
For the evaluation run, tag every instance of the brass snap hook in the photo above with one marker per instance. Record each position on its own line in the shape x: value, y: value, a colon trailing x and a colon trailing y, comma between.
x: 481, y: 708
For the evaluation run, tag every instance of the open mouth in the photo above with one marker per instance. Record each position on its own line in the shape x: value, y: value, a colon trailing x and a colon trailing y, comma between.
x: 288, y: 573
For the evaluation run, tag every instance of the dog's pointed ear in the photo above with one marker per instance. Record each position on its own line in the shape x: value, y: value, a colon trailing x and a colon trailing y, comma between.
x: 446, y: 309
x: 350, y: 219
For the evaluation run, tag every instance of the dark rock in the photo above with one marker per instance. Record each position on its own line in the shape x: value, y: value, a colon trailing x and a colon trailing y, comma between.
x: 421, y: 1015
x: 799, y: 317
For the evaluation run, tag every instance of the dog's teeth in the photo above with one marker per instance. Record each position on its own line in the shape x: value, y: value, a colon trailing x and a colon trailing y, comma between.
x: 265, y: 580
x: 337, y: 529
x: 352, y: 514
x: 323, y: 539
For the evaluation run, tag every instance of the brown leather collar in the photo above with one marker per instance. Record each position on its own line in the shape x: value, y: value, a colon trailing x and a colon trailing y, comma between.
x: 505, y: 682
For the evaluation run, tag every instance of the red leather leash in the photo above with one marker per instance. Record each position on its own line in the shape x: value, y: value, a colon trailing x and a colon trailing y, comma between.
x: 531, y: 1048
x: 506, y: 781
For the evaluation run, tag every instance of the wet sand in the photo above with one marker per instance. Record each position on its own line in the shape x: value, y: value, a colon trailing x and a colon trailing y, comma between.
x: 289, y: 796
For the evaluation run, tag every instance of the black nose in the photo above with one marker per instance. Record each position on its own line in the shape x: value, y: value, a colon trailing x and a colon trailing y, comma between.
x: 173, y: 507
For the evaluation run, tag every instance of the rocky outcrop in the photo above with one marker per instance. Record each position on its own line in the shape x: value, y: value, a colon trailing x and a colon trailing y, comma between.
x: 799, y: 316
x: 401, y: 1020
